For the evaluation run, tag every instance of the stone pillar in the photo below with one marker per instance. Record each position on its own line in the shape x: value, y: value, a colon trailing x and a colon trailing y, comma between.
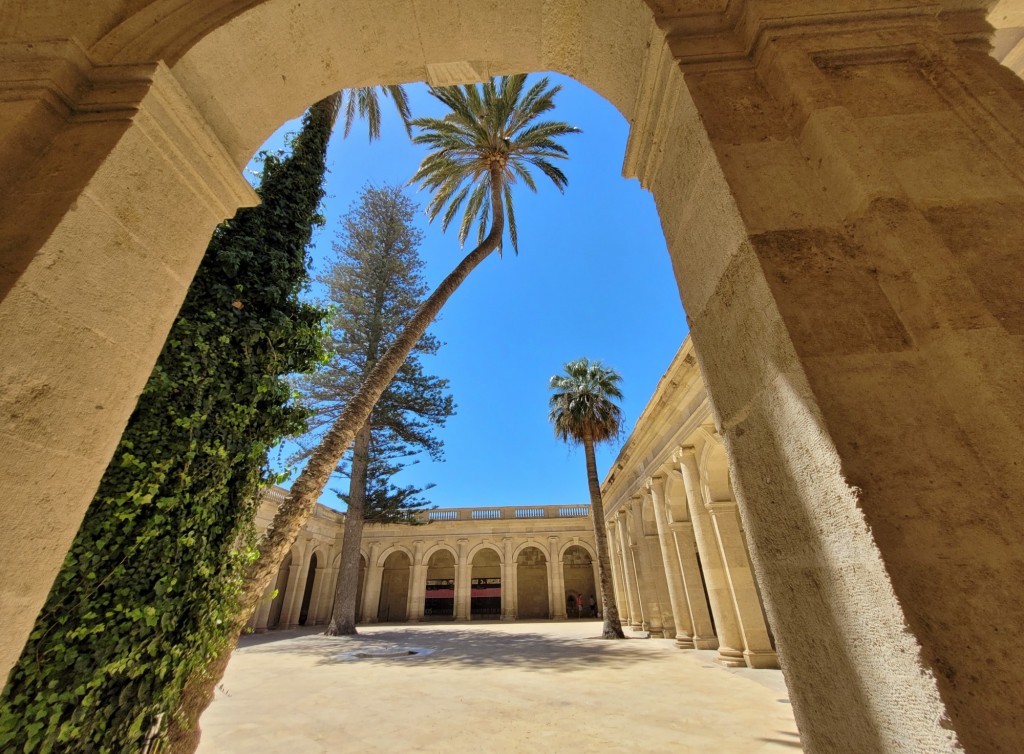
x: 848, y: 253
x: 730, y: 641
x: 262, y: 614
x: 618, y: 580
x: 371, y: 590
x: 636, y: 619
x: 417, y: 584
x: 89, y: 283
x: 557, y: 579
x: 758, y: 650
x: 646, y: 589
x: 463, y: 589
x: 293, y: 595
x: 677, y: 597
x: 686, y: 548
x: 508, y: 586
x: 325, y: 601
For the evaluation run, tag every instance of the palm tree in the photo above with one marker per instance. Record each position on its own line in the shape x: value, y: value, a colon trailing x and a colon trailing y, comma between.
x: 583, y: 411
x: 488, y: 141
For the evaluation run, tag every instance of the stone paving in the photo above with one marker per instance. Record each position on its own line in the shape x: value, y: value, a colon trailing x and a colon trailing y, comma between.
x: 491, y: 687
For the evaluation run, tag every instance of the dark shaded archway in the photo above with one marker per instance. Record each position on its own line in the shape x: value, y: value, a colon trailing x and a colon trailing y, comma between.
x: 532, y: 599
x: 394, y: 589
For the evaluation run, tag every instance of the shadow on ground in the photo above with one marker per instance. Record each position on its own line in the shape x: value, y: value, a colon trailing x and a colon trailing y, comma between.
x: 451, y: 646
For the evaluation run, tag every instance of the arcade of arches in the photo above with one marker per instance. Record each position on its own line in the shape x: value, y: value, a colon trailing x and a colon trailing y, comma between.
x: 841, y: 192
x: 680, y: 565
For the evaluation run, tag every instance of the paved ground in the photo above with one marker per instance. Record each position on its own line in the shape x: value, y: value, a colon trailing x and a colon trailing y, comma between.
x: 492, y: 687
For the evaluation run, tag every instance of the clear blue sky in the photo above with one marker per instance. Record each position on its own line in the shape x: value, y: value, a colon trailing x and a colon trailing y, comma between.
x: 592, y: 278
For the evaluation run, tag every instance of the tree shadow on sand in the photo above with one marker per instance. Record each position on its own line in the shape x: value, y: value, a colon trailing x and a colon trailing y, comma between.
x: 454, y: 645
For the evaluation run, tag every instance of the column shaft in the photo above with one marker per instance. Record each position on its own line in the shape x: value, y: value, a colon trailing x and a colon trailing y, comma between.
x: 673, y: 575
x: 730, y: 641
x: 758, y: 650
x: 686, y: 549
x: 636, y: 618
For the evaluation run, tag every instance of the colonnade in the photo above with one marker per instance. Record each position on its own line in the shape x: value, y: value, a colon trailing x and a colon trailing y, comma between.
x: 680, y: 563
x: 469, y: 569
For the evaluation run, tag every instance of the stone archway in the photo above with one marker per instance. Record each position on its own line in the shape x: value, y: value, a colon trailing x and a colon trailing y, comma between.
x: 578, y: 575
x: 281, y: 585
x: 394, y: 588
x: 439, y: 602
x: 307, y: 592
x: 841, y: 196
x: 532, y: 584
x: 485, y: 585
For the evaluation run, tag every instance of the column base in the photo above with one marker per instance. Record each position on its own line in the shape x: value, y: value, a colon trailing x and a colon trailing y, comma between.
x: 730, y: 658
x: 705, y: 642
x: 761, y: 660
x: 684, y: 642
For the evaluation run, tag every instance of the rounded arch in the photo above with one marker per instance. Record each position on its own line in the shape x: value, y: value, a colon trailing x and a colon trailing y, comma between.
x: 584, y: 545
x: 476, y: 549
x: 714, y: 473
x: 675, y: 498
x: 319, y: 552
x: 524, y: 545
x: 297, y: 53
x: 430, y: 552
x: 386, y: 553
x: 336, y: 560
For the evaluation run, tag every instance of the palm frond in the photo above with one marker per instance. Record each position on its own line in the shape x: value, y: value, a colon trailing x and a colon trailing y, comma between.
x: 490, y: 133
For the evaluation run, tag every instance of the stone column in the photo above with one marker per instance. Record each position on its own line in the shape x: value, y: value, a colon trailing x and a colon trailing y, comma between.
x: 848, y: 251
x: 677, y: 597
x: 686, y: 548
x: 90, y: 281
x: 371, y: 590
x: 262, y: 614
x: 646, y: 589
x: 463, y: 590
x: 636, y: 619
x: 558, y: 579
x: 417, y: 584
x: 618, y: 580
x: 326, y: 599
x: 508, y: 588
x: 758, y: 650
x: 730, y: 641
x: 293, y: 595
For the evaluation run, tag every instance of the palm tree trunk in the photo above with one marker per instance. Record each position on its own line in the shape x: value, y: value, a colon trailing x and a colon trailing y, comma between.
x: 343, y: 614
x: 612, y: 628
x: 301, y: 501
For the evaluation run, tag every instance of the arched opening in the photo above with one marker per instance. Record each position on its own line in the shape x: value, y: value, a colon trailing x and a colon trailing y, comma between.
x: 810, y: 399
x: 394, y: 589
x: 281, y: 585
x: 532, y: 584
x: 578, y: 572
x: 439, y: 602
x: 485, y: 586
x: 307, y: 592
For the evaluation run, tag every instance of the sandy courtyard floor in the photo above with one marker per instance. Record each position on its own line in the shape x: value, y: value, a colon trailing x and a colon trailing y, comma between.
x: 492, y: 687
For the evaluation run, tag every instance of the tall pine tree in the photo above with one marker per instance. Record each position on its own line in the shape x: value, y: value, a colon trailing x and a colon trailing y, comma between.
x: 376, y: 284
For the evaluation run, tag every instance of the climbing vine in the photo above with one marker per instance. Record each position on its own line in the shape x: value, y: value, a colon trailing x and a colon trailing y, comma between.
x: 148, y: 588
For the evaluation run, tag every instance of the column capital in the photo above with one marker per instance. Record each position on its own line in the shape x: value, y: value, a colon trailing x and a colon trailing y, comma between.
x: 683, y: 452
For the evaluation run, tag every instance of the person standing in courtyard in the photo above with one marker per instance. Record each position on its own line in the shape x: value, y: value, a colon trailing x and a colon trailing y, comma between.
x: 593, y: 607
